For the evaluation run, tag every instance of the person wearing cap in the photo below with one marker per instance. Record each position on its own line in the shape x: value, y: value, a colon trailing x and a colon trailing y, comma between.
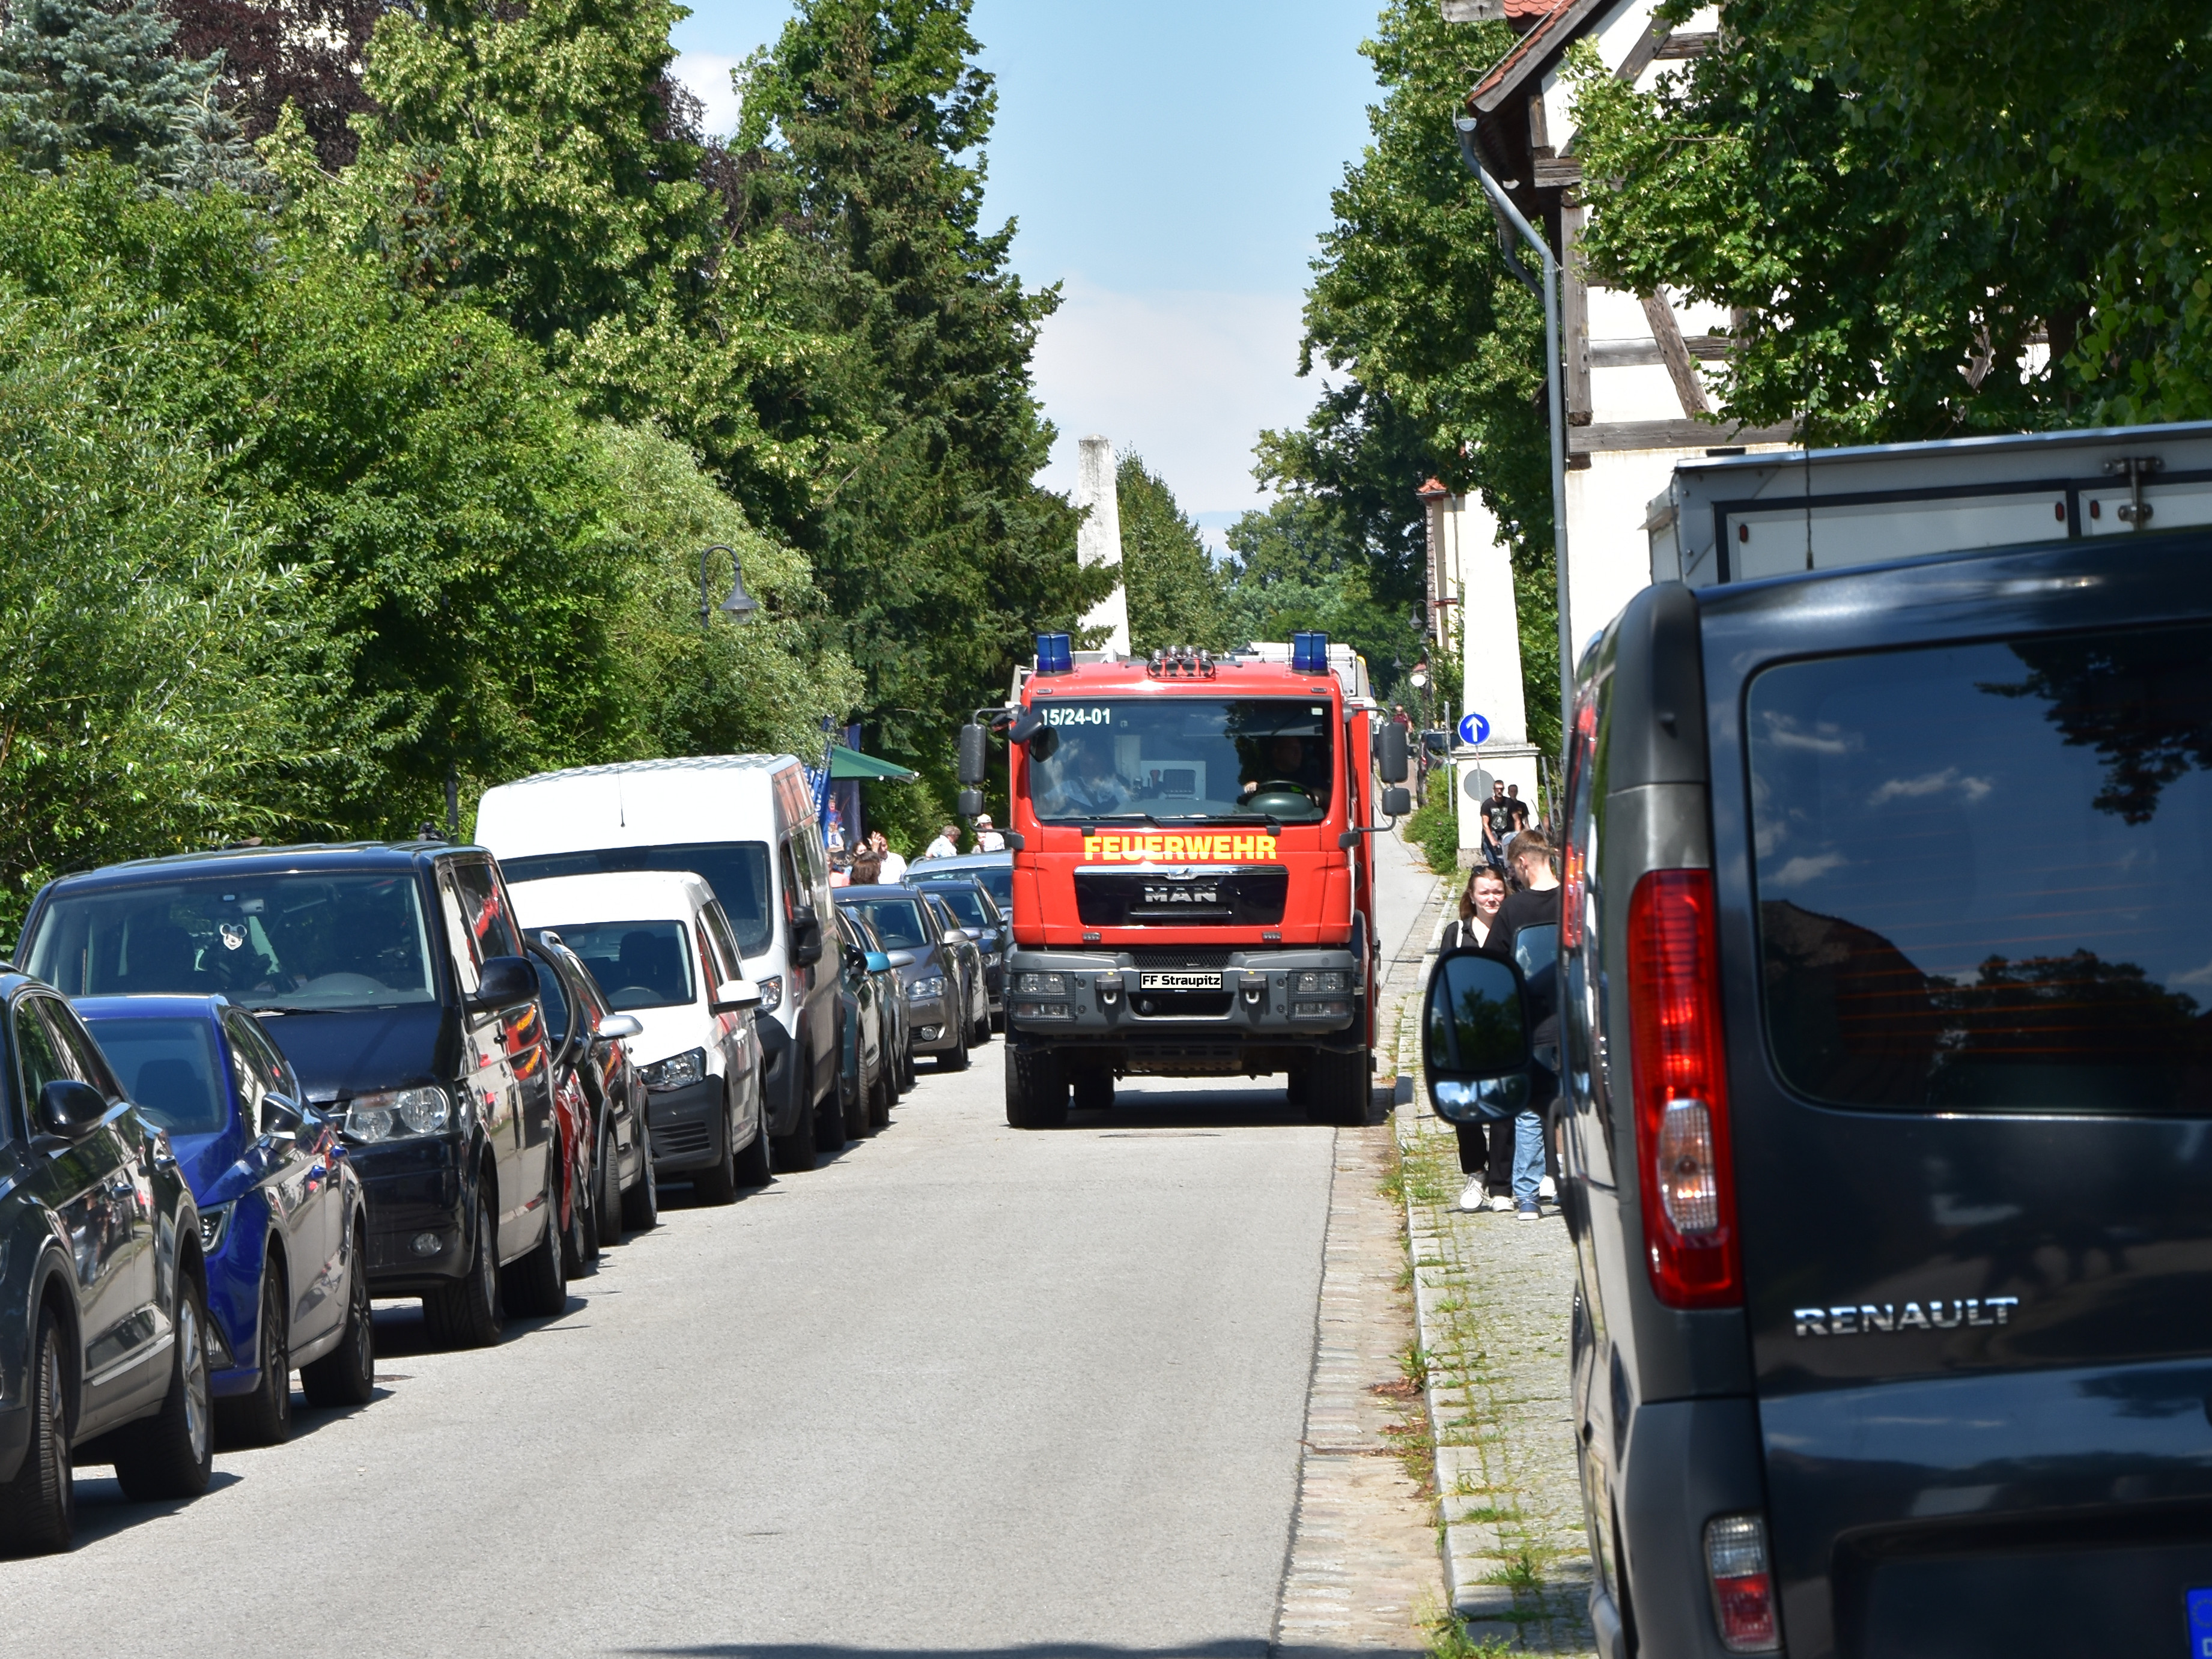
x: 987, y: 840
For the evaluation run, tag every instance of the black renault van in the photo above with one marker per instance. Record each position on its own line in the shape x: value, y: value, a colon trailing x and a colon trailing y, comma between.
x: 1885, y: 1050
x: 391, y: 975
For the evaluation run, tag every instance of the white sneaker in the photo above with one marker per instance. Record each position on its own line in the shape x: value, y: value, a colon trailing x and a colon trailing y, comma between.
x: 1548, y: 1190
x: 1474, y: 1195
x: 1503, y: 1203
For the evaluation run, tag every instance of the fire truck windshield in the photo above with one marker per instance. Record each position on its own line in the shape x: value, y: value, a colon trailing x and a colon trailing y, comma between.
x: 1180, y: 759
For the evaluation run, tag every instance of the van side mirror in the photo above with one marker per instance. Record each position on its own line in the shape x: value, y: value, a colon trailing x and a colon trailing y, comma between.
x: 1476, y: 1038
x: 616, y: 1027
x: 968, y: 803
x: 734, y: 996
x: 805, y: 938
x: 67, y: 1108
x: 1391, y: 758
x: 1397, y: 802
x: 975, y: 759
x: 504, y: 981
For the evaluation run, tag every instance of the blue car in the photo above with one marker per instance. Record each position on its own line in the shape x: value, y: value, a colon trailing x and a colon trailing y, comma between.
x: 283, y: 1222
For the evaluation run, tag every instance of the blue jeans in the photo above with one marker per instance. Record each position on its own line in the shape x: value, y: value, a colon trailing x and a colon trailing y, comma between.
x: 1528, y: 1157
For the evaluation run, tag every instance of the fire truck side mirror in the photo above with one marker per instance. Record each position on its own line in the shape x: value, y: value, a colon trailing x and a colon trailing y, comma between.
x: 968, y: 803
x: 1390, y: 757
x: 1396, y: 802
x: 975, y: 756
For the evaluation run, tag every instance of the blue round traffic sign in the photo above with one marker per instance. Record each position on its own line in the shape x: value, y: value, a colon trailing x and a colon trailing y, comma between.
x: 1473, y: 729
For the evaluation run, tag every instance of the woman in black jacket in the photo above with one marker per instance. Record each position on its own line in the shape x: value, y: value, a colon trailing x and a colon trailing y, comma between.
x: 1486, y: 1160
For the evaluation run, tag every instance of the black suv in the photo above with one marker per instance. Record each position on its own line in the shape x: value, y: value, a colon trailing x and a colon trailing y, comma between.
x: 392, y: 977
x: 1885, y: 960
x: 103, y: 1298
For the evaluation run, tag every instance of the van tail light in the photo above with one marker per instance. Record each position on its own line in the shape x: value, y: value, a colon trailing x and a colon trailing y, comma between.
x: 1743, y: 1587
x: 1680, y: 1078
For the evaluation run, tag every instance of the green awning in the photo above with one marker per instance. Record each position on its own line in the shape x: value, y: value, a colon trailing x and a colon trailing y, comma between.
x: 852, y: 763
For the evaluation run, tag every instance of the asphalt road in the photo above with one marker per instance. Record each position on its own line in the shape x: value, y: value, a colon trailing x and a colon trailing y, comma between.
x: 966, y: 1389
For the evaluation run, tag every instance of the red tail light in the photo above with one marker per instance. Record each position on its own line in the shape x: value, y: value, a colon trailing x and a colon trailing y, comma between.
x: 1680, y: 1076
x: 1743, y: 1586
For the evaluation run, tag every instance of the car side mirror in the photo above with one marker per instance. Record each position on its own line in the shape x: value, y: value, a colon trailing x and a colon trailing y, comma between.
x: 1391, y: 758
x: 1476, y: 1038
x: 615, y: 1027
x: 504, y: 981
x: 879, y: 961
x: 734, y: 996
x: 1396, y: 802
x: 805, y: 938
x: 280, y: 1120
x: 67, y: 1108
x: 902, y: 958
x: 975, y: 756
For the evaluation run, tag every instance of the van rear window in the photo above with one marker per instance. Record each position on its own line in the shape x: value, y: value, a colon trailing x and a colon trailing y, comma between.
x: 736, y: 870
x: 1984, y: 873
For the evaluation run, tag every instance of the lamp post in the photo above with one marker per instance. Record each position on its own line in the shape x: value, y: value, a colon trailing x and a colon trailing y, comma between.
x: 741, y: 604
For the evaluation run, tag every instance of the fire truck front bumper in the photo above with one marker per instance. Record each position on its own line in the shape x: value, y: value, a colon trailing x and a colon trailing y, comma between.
x: 1258, y: 999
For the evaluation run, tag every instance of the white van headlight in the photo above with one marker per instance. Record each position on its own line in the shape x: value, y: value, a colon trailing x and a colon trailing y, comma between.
x: 676, y: 1072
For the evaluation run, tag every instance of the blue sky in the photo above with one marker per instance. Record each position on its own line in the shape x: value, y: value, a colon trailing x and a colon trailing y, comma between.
x: 1169, y: 164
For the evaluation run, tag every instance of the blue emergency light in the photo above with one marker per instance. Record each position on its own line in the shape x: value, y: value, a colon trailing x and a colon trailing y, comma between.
x: 1310, y: 653
x: 1054, y: 655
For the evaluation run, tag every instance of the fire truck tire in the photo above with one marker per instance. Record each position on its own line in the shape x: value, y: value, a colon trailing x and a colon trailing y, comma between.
x: 1036, y: 1090
x: 1093, y: 1089
x: 1337, y: 1087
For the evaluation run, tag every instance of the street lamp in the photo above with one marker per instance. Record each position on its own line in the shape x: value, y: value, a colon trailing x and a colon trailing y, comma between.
x: 741, y: 604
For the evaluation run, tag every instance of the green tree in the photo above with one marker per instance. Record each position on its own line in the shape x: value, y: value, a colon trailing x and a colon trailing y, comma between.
x: 1440, y: 348
x: 1297, y: 570
x: 863, y: 128
x: 1175, y: 593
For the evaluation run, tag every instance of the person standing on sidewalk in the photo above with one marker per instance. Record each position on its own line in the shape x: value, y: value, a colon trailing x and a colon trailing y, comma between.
x: 1477, y: 912
x: 1536, y: 905
x: 1496, y: 824
x: 946, y: 846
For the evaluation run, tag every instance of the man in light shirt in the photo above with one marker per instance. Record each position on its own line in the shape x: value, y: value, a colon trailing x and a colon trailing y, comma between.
x: 987, y: 840
x: 890, y: 865
x: 946, y: 846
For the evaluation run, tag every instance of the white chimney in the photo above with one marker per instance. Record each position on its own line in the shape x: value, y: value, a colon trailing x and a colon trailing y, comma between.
x: 1099, y: 539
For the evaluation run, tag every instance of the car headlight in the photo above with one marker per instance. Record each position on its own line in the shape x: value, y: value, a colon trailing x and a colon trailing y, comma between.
x: 923, y: 989
x: 771, y: 990
x: 1042, y: 985
x: 395, y: 1113
x: 214, y: 1222
x: 676, y: 1072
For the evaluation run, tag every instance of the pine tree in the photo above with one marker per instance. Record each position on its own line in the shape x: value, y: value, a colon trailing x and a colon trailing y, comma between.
x: 76, y: 76
x: 1175, y: 595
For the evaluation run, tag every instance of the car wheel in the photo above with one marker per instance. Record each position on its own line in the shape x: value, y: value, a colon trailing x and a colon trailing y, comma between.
x: 607, y: 1198
x: 718, y: 1184
x: 38, y: 1508
x: 541, y: 1279
x: 470, y: 1313
x: 879, y: 1108
x: 830, y: 1122
x: 640, y: 1205
x: 955, y: 1059
x: 263, y: 1417
x: 1036, y: 1090
x: 170, y: 1454
x: 346, y: 1375
x: 907, y: 1078
x: 578, y: 1245
x: 856, y: 1110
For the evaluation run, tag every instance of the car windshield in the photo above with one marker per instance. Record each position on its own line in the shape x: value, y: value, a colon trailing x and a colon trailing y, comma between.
x: 898, y: 922
x: 636, y: 964
x: 1177, y: 759
x: 736, y: 870
x: 998, y: 880
x: 963, y: 900
x: 1984, y: 873
x: 332, y: 941
x: 169, y: 1068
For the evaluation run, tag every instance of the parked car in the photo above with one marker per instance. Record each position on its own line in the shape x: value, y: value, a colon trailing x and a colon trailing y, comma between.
x: 391, y: 975
x: 894, y: 997
x: 975, y: 998
x: 745, y: 826
x: 865, y: 1044
x: 928, y: 966
x: 994, y: 870
x: 659, y: 948
x: 103, y: 1289
x: 980, y: 918
x: 283, y: 1224
x: 1882, y: 1038
x: 591, y: 1048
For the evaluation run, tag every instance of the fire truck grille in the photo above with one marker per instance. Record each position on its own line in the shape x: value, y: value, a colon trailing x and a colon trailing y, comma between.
x: 1252, y: 895
x: 1171, y: 958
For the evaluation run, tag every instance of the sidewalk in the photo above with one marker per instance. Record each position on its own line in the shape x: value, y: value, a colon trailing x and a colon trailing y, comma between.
x: 1493, y: 1295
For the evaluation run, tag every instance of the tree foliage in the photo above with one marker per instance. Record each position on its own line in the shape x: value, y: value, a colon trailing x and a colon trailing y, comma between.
x: 1175, y: 593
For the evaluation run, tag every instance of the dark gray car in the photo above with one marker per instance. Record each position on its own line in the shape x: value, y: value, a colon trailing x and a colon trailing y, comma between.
x: 940, y: 1008
x: 1885, y: 953
x: 980, y: 918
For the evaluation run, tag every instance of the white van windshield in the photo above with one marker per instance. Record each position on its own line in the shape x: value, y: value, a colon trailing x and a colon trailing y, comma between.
x: 736, y: 870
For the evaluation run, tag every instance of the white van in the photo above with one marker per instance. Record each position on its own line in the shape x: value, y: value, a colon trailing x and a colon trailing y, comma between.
x: 747, y: 825
x: 662, y: 952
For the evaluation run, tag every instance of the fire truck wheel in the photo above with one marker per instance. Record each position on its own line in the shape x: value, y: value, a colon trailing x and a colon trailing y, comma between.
x: 1036, y: 1090
x: 1094, y: 1090
x: 1337, y: 1086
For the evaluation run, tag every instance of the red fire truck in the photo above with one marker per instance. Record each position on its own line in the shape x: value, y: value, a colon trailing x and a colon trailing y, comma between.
x: 1193, y: 879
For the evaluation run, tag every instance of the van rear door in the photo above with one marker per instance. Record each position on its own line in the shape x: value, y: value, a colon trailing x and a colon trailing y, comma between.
x: 1967, y: 921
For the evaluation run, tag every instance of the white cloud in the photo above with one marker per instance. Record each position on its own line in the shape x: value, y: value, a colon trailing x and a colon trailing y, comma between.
x: 1799, y: 871
x: 1825, y: 738
x: 1186, y: 377
x: 1973, y: 790
x: 2195, y: 976
x: 707, y: 75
